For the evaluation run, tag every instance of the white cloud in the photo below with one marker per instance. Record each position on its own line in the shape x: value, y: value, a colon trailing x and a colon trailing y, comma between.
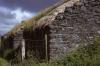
x: 9, y: 18
x: 21, y: 15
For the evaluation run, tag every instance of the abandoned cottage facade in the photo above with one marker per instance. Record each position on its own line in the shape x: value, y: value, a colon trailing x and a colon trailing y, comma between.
x: 73, y: 23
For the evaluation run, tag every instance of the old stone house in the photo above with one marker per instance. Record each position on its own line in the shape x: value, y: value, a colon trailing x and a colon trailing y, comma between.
x: 72, y: 23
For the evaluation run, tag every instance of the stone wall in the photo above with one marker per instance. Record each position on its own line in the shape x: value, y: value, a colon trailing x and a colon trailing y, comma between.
x: 77, y: 25
x: 18, y: 37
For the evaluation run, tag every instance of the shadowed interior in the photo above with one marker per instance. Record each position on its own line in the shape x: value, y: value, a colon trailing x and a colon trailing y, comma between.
x: 36, y: 43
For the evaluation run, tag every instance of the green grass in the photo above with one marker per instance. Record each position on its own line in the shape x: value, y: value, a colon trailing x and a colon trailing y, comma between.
x: 3, y: 62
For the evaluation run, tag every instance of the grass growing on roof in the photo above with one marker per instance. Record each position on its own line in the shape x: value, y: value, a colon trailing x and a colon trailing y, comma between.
x: 29, y: 23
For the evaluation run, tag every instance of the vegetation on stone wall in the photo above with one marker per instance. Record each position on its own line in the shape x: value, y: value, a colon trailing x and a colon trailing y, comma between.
x: 83, y: 56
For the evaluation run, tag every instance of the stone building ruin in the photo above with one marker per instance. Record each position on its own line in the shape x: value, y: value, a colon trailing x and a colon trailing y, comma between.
x: 69, y: 25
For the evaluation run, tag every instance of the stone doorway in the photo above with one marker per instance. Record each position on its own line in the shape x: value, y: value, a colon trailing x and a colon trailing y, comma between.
x: 37, y: 43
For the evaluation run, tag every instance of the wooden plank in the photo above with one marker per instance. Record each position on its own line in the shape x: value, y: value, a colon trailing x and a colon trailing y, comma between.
x: 46, y: 46
x: 23, y: 49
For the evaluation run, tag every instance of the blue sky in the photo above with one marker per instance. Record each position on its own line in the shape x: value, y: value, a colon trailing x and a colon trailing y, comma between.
x: 13, y: 12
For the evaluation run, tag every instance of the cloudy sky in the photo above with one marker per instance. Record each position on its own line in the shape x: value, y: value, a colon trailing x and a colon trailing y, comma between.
x: 13, y: 12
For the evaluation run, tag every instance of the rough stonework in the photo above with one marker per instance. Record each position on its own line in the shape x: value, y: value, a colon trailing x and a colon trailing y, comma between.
x: 18, y: 37
x: 77, y: 24
x: 69, y: 25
